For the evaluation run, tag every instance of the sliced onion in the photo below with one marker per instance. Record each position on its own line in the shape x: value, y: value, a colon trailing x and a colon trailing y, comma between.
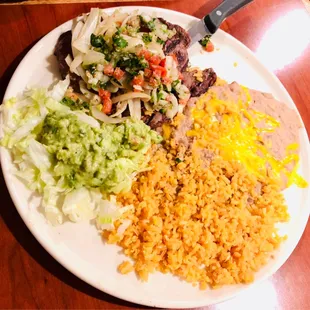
x: 75, y: 33
x: 76, y: 62
x: 77, y: 30
x: 162, y: 102
x: 112, y: 89
x: 131, y: 95
x: 121, y: 107
x: 133, y: 44
x: 156, y: 48
x: 174, y: 71
x: 82, y: 97
x: 135, y: 12
x: 95, y: 100
x: 181, y: 108
x: 135, y: 108
x: 175, y: 107
x: 138, y: 87
x: 168, y: 65
x: 148, y: 91
x: 105, y: 118
x: 82, y: 42
x: 85, y: 91
x: 103, y: 15
x: 111, y: 31
x: 86, y: 119
x: 107, y: 24
x: 88, y: 95
x: 68, y: 60
x: 102, y: 28
x: 119, y: 85
x: 154, y: 95
x: 148, y: 86
x: 93, y: 57
x: 118, y: 15
x: 82, y: 73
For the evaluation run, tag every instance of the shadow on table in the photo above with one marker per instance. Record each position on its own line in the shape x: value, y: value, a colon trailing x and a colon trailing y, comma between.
x: 5, y: 79
x: 20, y: 231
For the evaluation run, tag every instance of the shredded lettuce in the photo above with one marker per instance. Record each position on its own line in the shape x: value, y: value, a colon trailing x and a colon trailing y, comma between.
x: 109, y: 212
x: 71, y: 158
x: 79, y: 205
x: 59, y: 90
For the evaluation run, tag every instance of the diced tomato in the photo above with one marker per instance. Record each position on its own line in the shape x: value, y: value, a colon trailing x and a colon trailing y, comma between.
x: 180, y: 76
x: 182, y: 101
x: 163, y: 62
x: 136, y: 90
x: 138, y: 80
x: 157, y: 74
x: 164, y: 73
x: 104, y: 93
x: 107, y: 106
x: 166, y: 80
x: 147, y: 73
x: 146, y: 54
x: 209, y: 47
x: 153, y: 82
x: 159, y: 71
x: 108, y: 70
x: 155, y: 60
x: 118, y: 73
x: 105, y: 97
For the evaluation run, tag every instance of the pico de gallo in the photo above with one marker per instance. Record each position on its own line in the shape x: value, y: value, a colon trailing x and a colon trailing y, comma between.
x: 123, y: 68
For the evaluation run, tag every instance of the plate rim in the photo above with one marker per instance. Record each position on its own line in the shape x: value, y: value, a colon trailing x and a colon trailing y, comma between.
x: 137, y: 300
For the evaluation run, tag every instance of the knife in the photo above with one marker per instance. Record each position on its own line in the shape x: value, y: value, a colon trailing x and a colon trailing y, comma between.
x: 211, y: 22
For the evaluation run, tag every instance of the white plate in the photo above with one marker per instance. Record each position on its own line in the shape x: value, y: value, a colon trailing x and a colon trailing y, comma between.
x: 79, y: 248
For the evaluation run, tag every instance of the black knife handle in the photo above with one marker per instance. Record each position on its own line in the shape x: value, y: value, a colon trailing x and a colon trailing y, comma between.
x: 228, y: 7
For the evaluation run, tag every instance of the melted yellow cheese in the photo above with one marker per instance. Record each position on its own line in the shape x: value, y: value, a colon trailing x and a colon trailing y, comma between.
x: 233, y: 130
x: 166, y: 131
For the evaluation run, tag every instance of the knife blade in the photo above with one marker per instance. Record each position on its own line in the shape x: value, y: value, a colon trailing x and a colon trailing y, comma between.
x: 211, y: 22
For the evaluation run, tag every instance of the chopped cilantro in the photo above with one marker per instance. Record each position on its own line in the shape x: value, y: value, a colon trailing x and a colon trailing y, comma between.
x: 164, y: 29
x: 148, y: 25
x: 131, y: 63
x: 178, y: 160
x: 175, y: 83
x: 103, y: 85
x: 118, y: 31
x: 91, y: 68
x: 100, y: 45
x: 119, y: 42
x: 160, y: 87
x: 147, y: 38
x: 205, y: 40
x: 165, y: 88
x: 160, y: 96
x: 74, y: 105
x: 160, y: 41
x: 151, y: 24
x: 162, y: 111
x: 97, y: 41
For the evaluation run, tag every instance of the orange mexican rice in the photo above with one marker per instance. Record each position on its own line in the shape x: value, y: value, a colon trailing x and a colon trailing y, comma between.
x: 204, y: 218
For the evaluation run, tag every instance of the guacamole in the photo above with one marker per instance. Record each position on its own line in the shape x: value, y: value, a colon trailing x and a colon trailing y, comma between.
x: 104, y: 157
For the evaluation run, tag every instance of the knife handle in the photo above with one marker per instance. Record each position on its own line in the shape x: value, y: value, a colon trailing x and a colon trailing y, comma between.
x: 214, y: 19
